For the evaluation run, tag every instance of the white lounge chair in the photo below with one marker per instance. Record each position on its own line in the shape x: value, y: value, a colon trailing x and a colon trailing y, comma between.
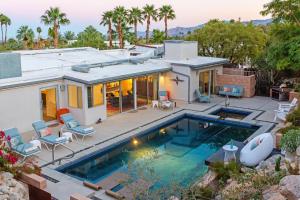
x: 287, y: 107
x: 281, y: 115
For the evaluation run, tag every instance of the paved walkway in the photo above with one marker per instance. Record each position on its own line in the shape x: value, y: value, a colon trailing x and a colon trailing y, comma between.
x: 128, y: 124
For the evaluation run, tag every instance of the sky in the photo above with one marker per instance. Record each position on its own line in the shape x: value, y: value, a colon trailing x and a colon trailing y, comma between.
x: 88, y: 12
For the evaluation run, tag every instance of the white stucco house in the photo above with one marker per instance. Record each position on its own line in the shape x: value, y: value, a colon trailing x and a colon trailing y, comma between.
x: 95, y: 84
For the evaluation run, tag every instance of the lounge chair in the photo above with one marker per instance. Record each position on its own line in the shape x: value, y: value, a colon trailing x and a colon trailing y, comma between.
x: 202, y: 98
x: 164, y: 100
x: 287, y: 107
x: 46, y: 136
x: 72, y: 125
x: 17, y: 144
x: 280, y: 114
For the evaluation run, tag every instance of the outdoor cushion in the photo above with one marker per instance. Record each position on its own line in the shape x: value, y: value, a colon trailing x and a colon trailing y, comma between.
x: 254, y: 144
x: 72, y: 124
x: 52, y: 139
x: 226, y: 89
x: 15, y: 141
x: 26, y: 149
x: 46, y: 131
x: 82, y: 130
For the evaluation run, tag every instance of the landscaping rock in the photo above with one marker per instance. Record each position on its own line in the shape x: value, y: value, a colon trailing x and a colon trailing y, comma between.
x: 268, y: 166
x: 289, y: 187
x: 207, y: 179
x: 11, y: 189
x: 273, y: 194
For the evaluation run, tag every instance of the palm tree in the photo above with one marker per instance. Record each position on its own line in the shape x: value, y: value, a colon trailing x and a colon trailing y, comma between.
x: 166, y: 12
x: 39, y: 30
x: 26, y: 35
x: 135, y: 16
x: 107, y: 18
x: 149, y: 12
x: 4, y: 20
x: 55, y: 17
x: 119, y: 18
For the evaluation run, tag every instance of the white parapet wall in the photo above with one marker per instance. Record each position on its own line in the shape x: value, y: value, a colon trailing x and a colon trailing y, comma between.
x: 180, y: 50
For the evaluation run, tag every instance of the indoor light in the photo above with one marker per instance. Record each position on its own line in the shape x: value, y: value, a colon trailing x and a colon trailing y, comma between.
x: 135, y: 141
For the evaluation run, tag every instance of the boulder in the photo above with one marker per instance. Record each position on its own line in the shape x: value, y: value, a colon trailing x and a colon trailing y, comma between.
x: 12, y: 189
x: 207, y: 179
x: 289, y: 187
x: 273, y: 194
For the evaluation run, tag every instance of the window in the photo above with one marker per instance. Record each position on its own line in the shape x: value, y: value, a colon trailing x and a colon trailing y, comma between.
x: 74, y: 96
x: 95, y: 95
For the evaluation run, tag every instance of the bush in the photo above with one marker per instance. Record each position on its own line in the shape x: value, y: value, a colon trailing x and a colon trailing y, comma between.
x: 226, y: 171
x: 286, y: 129
x: 291, y: 140
x: 9, y: 160
x: 294, y: 117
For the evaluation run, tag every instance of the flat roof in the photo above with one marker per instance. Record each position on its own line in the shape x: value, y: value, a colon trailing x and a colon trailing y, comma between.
x: 199, y: 62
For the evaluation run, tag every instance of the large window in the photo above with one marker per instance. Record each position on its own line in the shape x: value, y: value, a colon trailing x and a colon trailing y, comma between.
x: 95, y: 95
x: 75, y: 96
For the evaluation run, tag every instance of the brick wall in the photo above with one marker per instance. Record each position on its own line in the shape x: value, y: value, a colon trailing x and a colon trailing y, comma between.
x: 248, y: 82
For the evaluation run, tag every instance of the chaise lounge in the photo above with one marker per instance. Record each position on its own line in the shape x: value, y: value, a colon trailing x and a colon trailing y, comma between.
x: 232, y: 90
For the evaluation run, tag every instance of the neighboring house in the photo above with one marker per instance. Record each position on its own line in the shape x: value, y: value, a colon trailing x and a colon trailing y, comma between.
x: 96, y: 84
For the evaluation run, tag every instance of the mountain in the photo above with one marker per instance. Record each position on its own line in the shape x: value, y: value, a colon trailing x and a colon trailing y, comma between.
x: 182, y: 31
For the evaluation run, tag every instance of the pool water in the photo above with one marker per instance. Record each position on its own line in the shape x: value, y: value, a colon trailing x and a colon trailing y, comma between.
x: 231, y: 113
x: 171, y: 154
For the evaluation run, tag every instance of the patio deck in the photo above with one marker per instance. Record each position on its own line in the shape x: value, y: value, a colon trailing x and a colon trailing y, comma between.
x: 128, y: 124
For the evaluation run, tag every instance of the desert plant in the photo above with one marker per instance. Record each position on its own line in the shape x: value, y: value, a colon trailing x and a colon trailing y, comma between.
x: 294, y: 117
x: 277, y: 163
x: 226, y: 171
x: 286, y: 129
x: 291, y: 140
x: 292, y: 169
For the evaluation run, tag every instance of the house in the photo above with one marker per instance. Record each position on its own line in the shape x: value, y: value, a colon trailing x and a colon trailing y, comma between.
x: 96, y: 84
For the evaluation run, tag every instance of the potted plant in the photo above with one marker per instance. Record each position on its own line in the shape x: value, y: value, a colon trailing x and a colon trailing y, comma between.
x: 289, y: 143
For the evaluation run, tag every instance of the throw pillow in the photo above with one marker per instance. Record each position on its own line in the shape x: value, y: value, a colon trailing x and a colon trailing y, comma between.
x: 72, y: 124
x: 44, y: 132
x: 227, y: 89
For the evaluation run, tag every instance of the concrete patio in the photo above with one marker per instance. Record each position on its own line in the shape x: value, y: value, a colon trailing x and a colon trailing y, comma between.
x: 128, y: 124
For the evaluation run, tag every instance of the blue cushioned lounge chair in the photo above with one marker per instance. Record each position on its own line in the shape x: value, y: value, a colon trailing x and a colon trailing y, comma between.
x: 17, y: 144
x: 72, y: 125
x: 51, y: 140
x: 202, y: 98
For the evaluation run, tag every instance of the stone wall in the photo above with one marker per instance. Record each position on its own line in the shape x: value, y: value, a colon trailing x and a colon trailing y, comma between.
x: 248, y: 82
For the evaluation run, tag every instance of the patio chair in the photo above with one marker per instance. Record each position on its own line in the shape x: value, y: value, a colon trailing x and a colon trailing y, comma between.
x: 17, y: 144
x: 72, y: 125
x: 202, y: 98
x: 164, y: 100
x: 46, y: 136
x: 281, y: 115
x: 287, y: 107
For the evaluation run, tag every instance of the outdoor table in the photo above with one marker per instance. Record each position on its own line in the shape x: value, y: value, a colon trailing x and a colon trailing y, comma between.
x: 229, y: 151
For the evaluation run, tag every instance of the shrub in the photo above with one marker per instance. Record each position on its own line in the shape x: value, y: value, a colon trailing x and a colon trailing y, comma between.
x: 9, y: 160
x: 291, y: 140
x: 226, y: 171
x: 277, y: 163
x: 286, y: 129
x: 294, y: 117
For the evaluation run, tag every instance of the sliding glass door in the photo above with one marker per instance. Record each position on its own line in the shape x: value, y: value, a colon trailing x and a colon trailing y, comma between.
x: 127, y: 95
x: 49, y: 104
x: 142, y: 91
x: 153, y: 87
x: 113, y: 98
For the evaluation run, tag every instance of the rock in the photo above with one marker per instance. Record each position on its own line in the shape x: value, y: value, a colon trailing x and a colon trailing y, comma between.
x: 268, y: 166
x: 207, y: 179
x: 11, y: 189
x: 273, y: 194
x: 246, y: 169
x: 289, y: 187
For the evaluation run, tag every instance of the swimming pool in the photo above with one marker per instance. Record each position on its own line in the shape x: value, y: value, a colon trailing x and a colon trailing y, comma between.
x: 174, y: 152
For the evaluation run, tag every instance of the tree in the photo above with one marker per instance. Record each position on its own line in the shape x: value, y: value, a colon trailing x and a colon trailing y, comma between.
x: 26, y: 35
x: 39, y: 31
x: 235, y: 41
x: 56, y: 18
x: 158, y: 36
x: 90, y: 37
x: 135, y: 17
x: 69, y: 35
x: 149, y: 12
x: 166, y: 12
x: 283, y: 11
x: 107, y: 18
x: 4, y: 20
x: 119, y: 18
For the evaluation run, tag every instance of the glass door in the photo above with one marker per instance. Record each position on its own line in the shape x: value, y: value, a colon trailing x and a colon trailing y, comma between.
x: 204, y: 82
x: 141, y: 91
x: 49, y: 104
x: 127, y: 95
x: 152, y: 87
x: 113, y: 98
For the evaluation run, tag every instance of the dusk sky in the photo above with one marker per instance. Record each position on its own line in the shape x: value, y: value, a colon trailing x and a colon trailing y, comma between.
x: 88, y: 12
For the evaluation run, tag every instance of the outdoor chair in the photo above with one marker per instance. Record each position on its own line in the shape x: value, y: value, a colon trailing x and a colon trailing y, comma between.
x: 72, y: 125
x: 17, y: 144
x: 164, y: 100
x: 287, y: 107
x: 202, y: 98
x: 46, y: 136
x: 280, y: 114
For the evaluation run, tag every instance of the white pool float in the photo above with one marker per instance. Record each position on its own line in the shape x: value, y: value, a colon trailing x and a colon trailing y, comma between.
x: 258, y: 149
